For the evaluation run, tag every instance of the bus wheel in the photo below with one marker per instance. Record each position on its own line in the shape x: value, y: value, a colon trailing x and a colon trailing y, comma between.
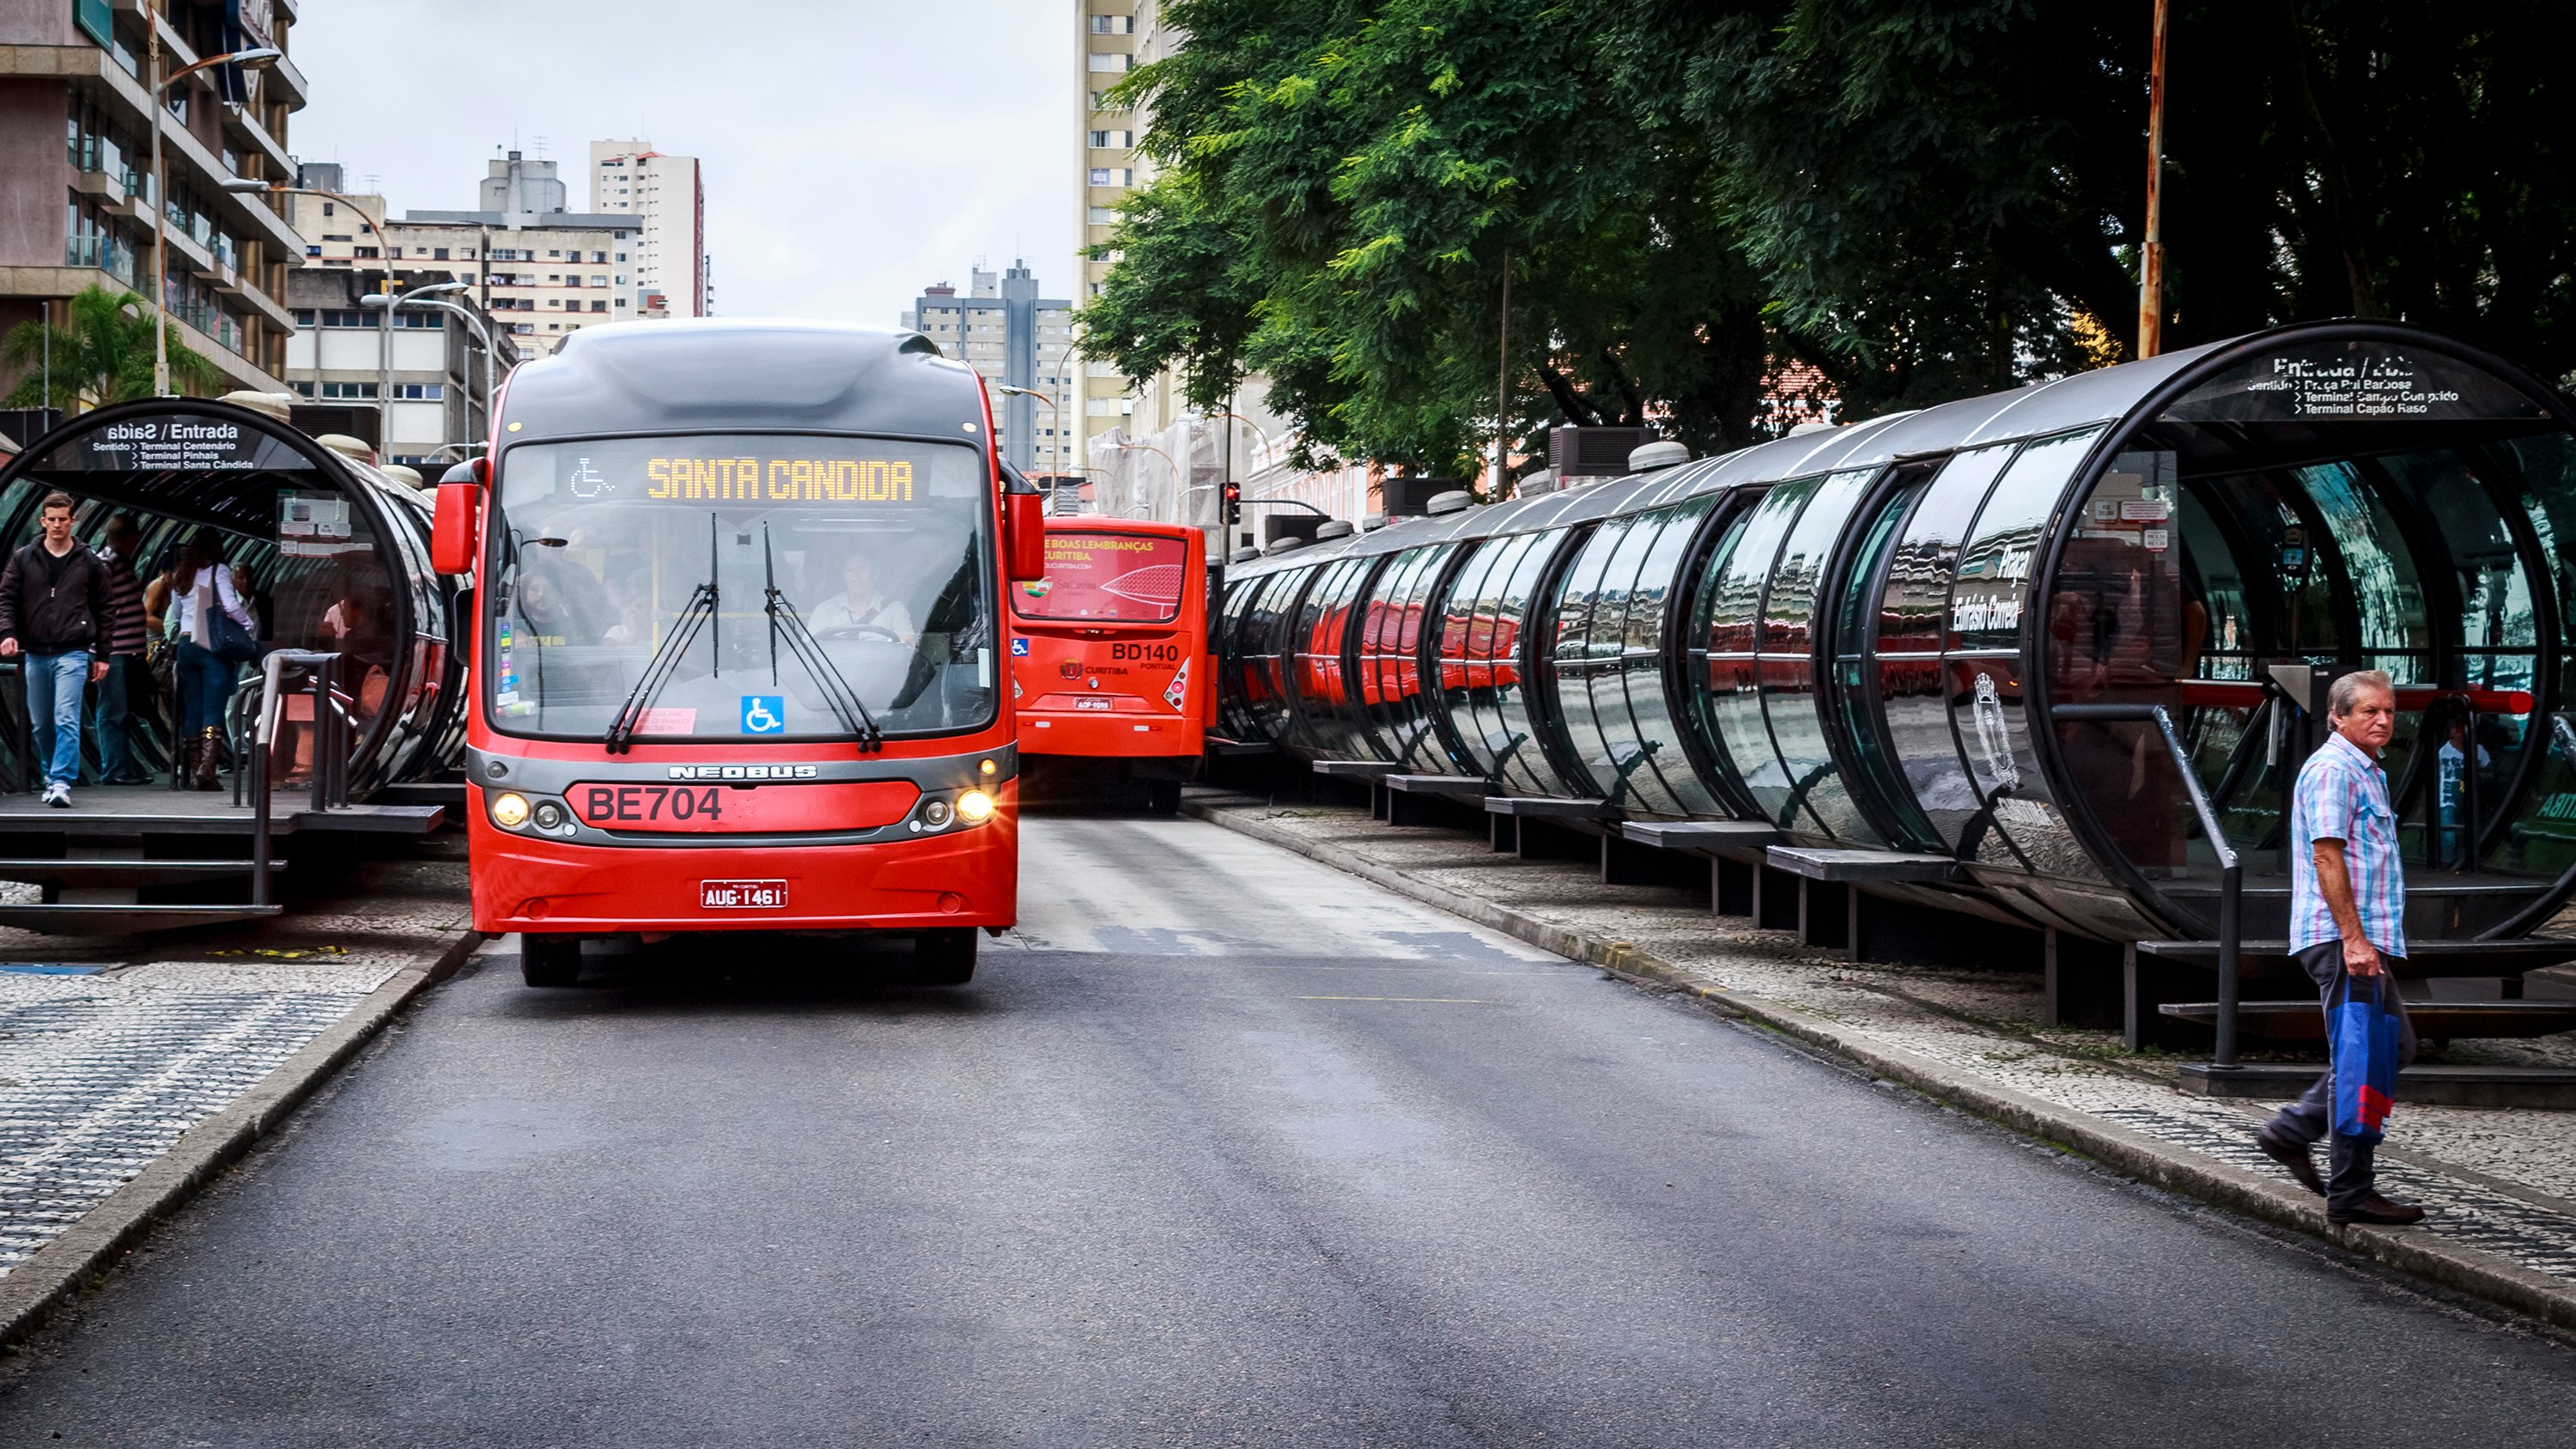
x: 945, y: 957
x: 549, y: 960
x: 1162, y: 797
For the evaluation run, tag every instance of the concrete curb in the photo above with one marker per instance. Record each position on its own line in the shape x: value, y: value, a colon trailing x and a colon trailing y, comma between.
x: 2174, y: 1169
x: 87, y: 1251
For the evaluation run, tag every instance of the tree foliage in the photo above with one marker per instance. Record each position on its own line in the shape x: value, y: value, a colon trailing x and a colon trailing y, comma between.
x: 104, y: 356
x: 1922, y: 198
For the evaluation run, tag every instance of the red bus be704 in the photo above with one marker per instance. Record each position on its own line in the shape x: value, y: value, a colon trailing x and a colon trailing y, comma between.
x: 737, y: 643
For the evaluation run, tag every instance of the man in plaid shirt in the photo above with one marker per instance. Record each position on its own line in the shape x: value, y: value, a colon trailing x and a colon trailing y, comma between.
x: 2347, y: 925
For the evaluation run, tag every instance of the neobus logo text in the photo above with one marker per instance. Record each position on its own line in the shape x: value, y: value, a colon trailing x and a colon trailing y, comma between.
x: 743, y: 772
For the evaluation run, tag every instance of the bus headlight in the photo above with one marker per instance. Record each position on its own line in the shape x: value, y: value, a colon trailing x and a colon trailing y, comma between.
x: 509, y: 810
x: 975, y: 807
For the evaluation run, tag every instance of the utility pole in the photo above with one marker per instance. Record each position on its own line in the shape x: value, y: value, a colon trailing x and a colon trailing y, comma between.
x: 1502, y: 378
x: 2151, y: 257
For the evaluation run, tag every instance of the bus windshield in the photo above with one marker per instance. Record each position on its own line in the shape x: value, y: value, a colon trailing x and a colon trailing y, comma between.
x: 1106, y: 577
x: 723, y: 587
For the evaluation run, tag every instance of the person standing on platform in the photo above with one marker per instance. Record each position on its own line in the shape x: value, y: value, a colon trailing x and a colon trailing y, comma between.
x: 124, y: 654
x: 2348, y: 931
x: 202, y: 584
x: 54, y: 617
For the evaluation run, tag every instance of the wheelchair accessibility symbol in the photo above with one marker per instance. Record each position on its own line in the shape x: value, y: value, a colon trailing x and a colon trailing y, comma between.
x: 764, y: 714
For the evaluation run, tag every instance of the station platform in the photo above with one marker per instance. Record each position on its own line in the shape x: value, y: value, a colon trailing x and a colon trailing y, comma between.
x: 138, y: 858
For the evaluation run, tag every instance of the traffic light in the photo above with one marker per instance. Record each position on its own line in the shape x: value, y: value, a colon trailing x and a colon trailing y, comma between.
x: 1233, y: 504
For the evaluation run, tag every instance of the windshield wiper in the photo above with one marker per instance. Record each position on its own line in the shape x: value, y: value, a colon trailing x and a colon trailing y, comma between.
x: 783, y: 619
x: 658, y: 670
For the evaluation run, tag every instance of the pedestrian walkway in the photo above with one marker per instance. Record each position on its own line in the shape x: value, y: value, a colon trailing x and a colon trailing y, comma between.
x: 101, y: 1071
x: 2500, y: 1182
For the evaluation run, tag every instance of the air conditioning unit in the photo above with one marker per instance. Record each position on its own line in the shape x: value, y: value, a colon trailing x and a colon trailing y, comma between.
x: 1411, y: 497
x: 1594, y: 452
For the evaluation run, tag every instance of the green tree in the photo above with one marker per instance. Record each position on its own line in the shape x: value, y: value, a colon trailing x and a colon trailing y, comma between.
x: 1945, y: 196
x: 104, y: 356
x: 1344, y: 186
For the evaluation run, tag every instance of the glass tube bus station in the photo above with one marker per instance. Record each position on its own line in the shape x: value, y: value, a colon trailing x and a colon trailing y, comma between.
x: 1876, y: 658
x: 335, y: 555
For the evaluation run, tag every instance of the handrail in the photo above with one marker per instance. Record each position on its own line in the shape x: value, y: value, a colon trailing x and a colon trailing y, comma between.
x: 2231, y: 890
x: 330, y: 752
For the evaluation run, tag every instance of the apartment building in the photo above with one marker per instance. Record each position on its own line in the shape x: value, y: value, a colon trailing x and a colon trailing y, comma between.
x: 666, y: 197
x: 1003, y: 329
x: 78, y: 203
x: 544, y: 272
x: 423, y: 387
x: 1111, y: 38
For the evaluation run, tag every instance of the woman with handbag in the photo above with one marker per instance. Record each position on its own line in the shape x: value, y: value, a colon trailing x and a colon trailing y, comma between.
x: 213, y: 627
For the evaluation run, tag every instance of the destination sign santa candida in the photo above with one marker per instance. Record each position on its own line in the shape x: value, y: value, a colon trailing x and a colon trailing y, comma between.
x: 779, y: 480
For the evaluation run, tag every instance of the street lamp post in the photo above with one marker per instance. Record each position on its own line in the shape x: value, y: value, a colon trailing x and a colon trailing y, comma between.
x: 384, y: 346
x: 256, y: 58
x: 419, y: 297
x: 391, y: 301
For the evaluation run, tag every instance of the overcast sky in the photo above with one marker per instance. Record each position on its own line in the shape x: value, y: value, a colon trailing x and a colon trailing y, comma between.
x: 853, y: 151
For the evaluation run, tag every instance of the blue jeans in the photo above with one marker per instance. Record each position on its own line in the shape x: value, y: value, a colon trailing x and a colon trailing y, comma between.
x: 205, y: 686
x: 108, y: 716
x: 54, y: 684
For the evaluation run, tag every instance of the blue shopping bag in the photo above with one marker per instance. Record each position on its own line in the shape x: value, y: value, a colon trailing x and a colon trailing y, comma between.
x: 2362, y: 1035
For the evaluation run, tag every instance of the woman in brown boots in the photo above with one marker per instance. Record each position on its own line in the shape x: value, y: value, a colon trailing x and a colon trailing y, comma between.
x: 203, y: 602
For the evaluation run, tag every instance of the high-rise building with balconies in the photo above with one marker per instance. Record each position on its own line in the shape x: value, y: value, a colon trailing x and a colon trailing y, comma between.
x: 78, y: 203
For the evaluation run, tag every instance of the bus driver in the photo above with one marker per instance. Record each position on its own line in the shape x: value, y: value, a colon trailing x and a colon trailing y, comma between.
x: 859, y: 605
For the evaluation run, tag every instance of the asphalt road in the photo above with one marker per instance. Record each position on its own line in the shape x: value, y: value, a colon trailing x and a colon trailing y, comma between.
x: 1228, y: 1149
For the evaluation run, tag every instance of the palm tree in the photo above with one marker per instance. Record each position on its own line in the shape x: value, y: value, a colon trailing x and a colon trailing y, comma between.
x: 104, y: 356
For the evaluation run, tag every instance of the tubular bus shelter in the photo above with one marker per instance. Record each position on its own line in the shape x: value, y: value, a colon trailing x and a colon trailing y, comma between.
x: 337, y: 554
x: 1872, y: 639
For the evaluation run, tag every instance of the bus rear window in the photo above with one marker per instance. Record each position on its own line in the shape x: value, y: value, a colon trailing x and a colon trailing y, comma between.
x: 1119, y: 577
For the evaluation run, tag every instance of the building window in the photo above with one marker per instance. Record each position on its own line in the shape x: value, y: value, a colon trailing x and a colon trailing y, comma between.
x: 1111, y: 62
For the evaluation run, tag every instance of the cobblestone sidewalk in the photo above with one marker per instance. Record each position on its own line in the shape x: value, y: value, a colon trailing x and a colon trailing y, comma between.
x: 2500, y: 1181
x: 101, y: 1073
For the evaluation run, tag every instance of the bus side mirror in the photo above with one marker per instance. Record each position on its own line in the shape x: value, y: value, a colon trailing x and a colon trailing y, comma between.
x: 452, y: 528
x: 1024, y: 530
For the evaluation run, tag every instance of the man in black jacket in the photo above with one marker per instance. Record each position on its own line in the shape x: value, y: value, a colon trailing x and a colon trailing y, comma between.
x: 54, y: 618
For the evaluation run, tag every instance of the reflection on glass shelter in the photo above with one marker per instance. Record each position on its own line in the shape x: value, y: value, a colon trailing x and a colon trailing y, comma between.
x: 1861, y: 636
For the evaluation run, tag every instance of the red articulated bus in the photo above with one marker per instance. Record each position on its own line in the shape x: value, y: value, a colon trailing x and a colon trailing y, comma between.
x: 737, y: 643
x: 1109, y: 651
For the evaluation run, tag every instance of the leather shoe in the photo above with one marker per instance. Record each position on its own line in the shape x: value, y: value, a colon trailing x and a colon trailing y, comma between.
x: 2293, y: 1156
x: 2379, y: 1210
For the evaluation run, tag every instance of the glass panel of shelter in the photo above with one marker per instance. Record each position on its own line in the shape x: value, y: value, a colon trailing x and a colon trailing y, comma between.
x: 2411, y: 563
x: 1656, y: 733
x: 1465, y: 651
x: 1574, y: 659
x: 1984, y: 663
x: 1914, y: 614
x: 1719, y: 634
x: 1787, y: 661
x: 1726, y: 636
x: 1519, y: 760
